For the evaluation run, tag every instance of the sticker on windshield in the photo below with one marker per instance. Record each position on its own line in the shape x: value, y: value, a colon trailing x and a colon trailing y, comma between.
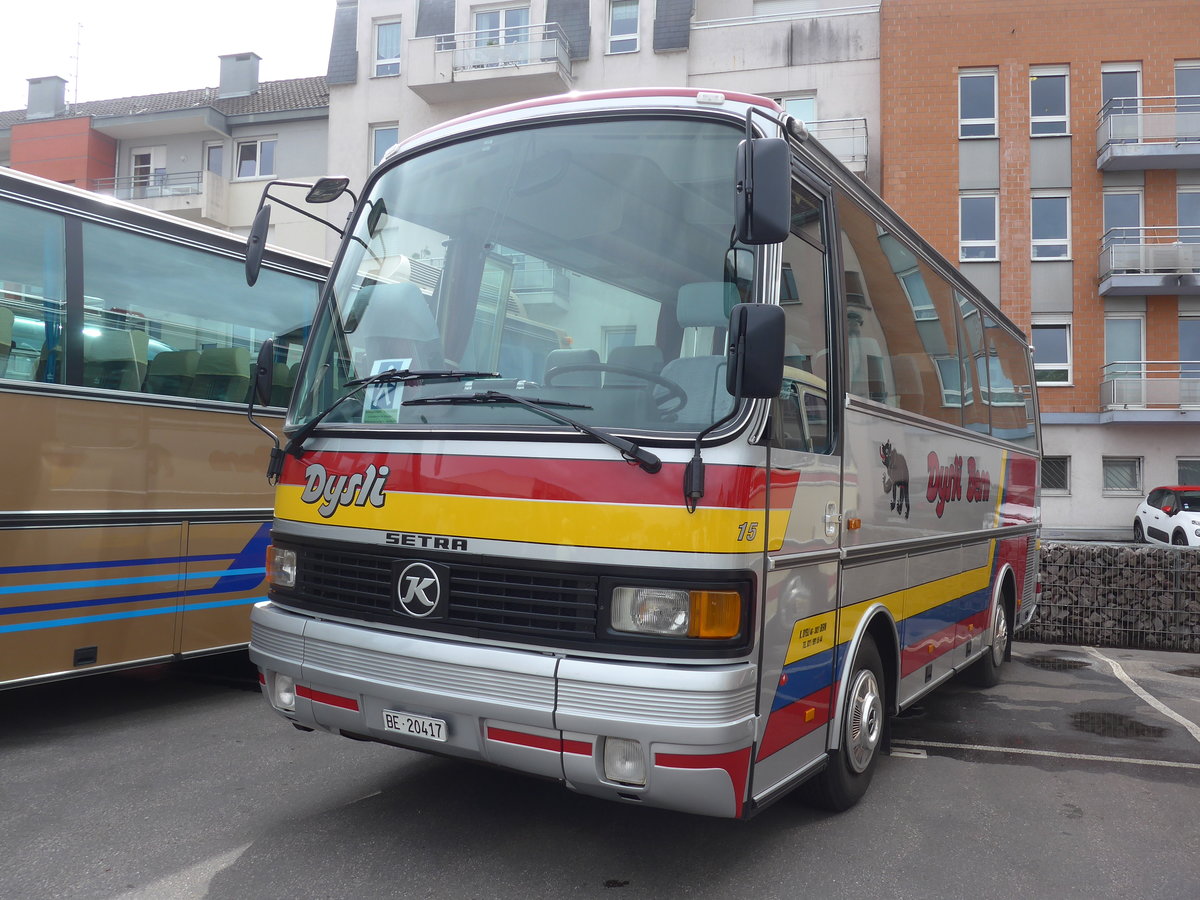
x: 382, y: 401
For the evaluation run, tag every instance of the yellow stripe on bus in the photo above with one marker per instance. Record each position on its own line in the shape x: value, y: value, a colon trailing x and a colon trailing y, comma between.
x: 666, y: 528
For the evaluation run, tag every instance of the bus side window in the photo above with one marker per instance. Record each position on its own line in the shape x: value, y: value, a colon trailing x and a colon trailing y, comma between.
x: 32, y: 294
x: 801, y: 413
x: 902, y: 322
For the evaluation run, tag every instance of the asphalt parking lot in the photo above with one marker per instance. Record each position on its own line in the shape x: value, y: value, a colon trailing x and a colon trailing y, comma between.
x: 1077, y: 776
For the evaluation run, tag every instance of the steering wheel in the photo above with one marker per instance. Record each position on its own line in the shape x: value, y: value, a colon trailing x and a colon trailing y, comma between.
x: 673, y: 390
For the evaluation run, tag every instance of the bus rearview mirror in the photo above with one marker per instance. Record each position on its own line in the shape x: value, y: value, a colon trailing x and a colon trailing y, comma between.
x: 264, y: 372
x: 763, y: 198
x: 755, y: 363
x: 256, y: 243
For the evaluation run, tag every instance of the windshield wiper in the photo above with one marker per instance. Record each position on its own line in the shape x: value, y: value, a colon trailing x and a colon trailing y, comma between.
x: 628, y: 449
x: 357, y: 385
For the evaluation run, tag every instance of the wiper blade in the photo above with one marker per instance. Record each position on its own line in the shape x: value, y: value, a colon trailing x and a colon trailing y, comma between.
x: 628, y: 449
x: 418, y: 375
x: 295, y: 444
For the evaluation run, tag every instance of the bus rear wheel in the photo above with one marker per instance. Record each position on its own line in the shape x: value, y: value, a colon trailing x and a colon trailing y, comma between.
x: 986, y: 670
x: 848, y: 774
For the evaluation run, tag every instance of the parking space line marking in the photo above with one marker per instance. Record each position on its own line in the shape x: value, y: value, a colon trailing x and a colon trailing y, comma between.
x: 1026, y: 751
x: 1192, y: 728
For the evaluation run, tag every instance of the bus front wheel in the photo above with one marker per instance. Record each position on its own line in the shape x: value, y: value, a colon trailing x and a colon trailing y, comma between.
x: 848, y: 774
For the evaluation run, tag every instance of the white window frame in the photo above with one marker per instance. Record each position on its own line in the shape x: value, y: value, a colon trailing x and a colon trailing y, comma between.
x: 239, y: 143
x: 378, y: 62
x: 977, y: 122
x: 1048, y: 244
x: 994, y: 243
x: 1053, y: 320
x: 809, y: 96
x: 1064, y: 72
x: 376, y: 152
x: 209, y: 147
x: 1135, y: 491
x: 1141, y: 216
x: 620, y: 39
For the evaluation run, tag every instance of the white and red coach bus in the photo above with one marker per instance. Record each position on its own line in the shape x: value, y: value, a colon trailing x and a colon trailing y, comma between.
x: 636, y: 444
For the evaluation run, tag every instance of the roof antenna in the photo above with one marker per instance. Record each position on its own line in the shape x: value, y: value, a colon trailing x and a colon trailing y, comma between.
x: 78, y: 42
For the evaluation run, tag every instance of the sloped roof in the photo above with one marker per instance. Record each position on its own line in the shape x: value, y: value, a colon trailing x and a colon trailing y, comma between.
x: 271, y: 96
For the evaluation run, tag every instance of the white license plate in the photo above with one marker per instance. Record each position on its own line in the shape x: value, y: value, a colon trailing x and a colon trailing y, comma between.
x: 418, y: 726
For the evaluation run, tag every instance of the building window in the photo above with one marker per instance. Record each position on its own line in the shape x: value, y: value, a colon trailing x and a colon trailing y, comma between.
x: 977, y: 103
x: 1187, y: 92
x: 1051, y: 351
x: 978, y: 226
x: 502, y: 26
x: 1187, y: 214
x: 1050, y: 227
x: 382, y: 138
x: 214, y: 158
x: 622, y: 26
x: 1056, y: 474
x: 1188, y: 470
x: 1049, y: 101
x: 1123, y: 475
x: 918, y: 294
x: 387, y: 48
x: 802, y: 108
x: 1122, y: 217
x: 255, y: 158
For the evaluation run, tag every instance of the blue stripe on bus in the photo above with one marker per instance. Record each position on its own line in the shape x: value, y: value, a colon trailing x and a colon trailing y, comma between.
x: 132, y: 614
x: 112, y: 582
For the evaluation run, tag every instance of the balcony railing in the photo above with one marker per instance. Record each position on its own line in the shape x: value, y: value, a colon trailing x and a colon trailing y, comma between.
x: 1150, y: 384
x: 844, y: 138
x: 497, y: 48
x: 143, y: 187
x: 1149, y: 133
x: 1150, y: 260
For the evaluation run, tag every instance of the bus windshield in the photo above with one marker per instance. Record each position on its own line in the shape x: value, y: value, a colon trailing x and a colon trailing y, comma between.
x: 585, y: 263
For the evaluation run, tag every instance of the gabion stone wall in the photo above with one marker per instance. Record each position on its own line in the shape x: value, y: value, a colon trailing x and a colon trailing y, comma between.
x: 1118, y: 595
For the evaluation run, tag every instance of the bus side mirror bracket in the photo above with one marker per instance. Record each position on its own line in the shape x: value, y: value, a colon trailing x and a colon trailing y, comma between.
x: 763, y: 194
x: 755, y: 367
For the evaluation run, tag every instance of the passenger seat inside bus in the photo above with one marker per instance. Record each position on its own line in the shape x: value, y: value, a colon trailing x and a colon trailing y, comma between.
x: 115, y: 360
x: 171, y: 372
x: 6, y: 337
x: 703, y: 305
x: 642, y: 357
x: 222, y: 373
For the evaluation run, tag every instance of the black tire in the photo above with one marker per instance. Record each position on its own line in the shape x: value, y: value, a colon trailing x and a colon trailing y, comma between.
x: 848, y: 774
x: 1179, y: 539
x: 1139, y: 534
x: 986, y: 670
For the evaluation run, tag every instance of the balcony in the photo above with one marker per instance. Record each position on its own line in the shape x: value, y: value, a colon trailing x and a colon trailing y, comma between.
x: 1143, y: 385
x: 1148, y: 133
x: 487, y: 65
x: 1135, y: 262
x: 844, y: 138
x: 198, y: 196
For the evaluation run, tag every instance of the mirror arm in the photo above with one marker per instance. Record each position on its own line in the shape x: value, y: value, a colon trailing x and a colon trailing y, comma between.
x: 341, y: 232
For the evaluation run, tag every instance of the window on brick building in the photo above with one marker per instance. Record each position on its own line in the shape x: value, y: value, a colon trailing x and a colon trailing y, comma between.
x: 978, y: 226
x: 623, y: 26
x: 1050, y: 226
x: 1123, y: 217
x: 1051, y: 336
x: 1049, y: 100
x: 977, y: 103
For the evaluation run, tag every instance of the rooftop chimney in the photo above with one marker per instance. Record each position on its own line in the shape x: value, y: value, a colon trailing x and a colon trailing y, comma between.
x: 47, y: 97
x: 239, y: 75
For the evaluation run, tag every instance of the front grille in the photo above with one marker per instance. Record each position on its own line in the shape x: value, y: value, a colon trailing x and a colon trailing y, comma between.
x: 508, y: 600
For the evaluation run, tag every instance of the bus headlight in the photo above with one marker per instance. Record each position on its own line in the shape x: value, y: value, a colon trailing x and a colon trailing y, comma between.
x: 677, y: 613
x: 281, y: 567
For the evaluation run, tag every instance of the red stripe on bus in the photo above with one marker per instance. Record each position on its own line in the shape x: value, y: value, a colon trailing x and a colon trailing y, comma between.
x: 521, y: 739
x: 736, y: 764
x: 788, y: 724
x: 328, y: 699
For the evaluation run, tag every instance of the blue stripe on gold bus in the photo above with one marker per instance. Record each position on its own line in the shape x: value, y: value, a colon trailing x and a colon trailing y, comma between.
x: 131, y: 614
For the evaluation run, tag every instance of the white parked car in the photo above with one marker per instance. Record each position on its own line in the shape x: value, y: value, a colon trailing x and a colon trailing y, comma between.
x: 1169, y: 515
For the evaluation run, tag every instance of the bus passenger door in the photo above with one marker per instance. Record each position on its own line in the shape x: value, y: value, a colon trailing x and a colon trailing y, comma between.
x: 805, y: 476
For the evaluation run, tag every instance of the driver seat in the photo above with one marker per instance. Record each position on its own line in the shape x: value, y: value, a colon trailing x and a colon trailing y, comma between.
x: 702, y: 305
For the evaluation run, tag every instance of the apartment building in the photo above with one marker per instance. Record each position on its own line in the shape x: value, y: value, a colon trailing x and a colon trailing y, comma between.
x: 399, y: 66
x: 201, y: 154
x: 1052, y: 147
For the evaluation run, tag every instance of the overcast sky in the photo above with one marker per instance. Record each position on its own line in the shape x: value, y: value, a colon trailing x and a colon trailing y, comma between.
x: 129, y: 47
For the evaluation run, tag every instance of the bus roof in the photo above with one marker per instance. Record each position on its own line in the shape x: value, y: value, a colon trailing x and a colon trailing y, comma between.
x: 701, y: 97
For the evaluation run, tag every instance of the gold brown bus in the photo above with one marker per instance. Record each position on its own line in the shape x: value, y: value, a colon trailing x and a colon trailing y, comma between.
x: 766, y: 476
x: 133, y: 515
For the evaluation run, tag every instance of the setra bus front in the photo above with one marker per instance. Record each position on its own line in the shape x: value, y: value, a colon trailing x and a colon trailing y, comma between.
x: 522, y: 515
